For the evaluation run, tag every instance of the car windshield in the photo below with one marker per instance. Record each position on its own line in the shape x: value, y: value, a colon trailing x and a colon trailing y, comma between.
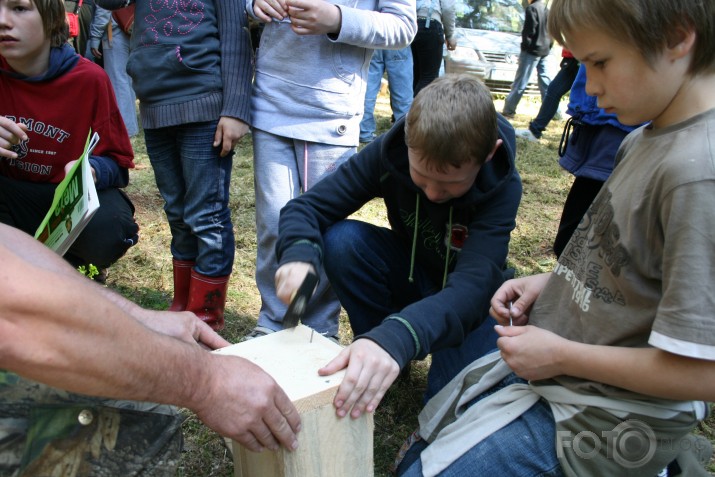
x: 494, y: 15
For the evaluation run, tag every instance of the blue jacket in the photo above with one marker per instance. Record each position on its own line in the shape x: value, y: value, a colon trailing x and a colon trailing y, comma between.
x: 485, y: 216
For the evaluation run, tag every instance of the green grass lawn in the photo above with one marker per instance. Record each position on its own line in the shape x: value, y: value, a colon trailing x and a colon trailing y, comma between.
x: 145, y: 275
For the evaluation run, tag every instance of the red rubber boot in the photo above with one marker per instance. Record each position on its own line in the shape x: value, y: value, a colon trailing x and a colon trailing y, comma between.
x: 207, y: 298
x: 182, y: 279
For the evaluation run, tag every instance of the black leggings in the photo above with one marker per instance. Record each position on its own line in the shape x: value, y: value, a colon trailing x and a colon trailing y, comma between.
x: 583, y: 191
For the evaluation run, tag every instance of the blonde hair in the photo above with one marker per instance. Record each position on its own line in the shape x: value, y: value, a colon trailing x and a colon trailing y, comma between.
x: 452, y: 121
x: 649, y: 25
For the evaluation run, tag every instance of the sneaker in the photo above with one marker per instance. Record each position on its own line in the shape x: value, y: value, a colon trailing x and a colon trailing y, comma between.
x: 257, y: 332
x: 526, y: 134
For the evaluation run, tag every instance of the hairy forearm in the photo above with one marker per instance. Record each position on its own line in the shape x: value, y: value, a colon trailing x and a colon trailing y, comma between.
x: 649, y: 371
x: 55, y: 328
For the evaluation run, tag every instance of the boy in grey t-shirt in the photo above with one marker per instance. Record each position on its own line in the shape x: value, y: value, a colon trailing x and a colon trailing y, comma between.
x: 618, y: 351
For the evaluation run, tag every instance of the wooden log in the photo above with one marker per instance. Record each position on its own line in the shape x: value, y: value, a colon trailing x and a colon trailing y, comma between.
x: 328, y: 446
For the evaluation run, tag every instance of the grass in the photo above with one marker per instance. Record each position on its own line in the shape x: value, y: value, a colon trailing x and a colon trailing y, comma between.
x: 144, y: 275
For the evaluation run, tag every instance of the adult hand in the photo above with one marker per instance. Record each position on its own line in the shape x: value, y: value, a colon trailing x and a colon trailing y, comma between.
x: 314, y: 17
x: 228, y: 132
x: 451, y: 43
x: 515, y: 298
x: 182, y: 325
x: 371, y: 371
x: 289, y: 277
x: 96, y: 52
x: 11, y: 134
x: 244, y: 403
x: 267, y: 10
x: 532, y: 352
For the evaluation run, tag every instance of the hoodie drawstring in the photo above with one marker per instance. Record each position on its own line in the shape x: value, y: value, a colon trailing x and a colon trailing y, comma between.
x: 305, y: 166
x: 411, y: 278
x: 449, y: 247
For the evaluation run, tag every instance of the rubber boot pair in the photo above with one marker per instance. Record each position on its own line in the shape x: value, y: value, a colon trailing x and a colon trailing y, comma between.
x: 204, y: 296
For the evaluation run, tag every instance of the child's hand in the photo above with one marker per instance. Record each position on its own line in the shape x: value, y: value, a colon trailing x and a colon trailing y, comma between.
x: 228, y: 132
x: 531, y: 352
x: 11, y: 134
x: 69, y: 165
x: 289, y: 278
x: 513, y: 300
x: 314, y: 17
x: 267, y: 10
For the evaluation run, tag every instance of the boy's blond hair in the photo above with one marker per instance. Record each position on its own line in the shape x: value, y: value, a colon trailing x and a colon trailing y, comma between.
x: 54, y: 22
x: 649, y: 25
x: 452, y: 121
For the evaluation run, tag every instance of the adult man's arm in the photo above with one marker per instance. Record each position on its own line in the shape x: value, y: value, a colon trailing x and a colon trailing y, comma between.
x: 61, y: 329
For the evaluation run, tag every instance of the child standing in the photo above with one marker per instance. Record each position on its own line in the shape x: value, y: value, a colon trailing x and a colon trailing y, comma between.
x: 190, y: 65
x: 307, y: 100
x: 51, y: 98
x: 617, y: 346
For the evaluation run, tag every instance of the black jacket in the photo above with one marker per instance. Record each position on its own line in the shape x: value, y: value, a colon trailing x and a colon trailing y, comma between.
x: 535, y: 37
x: 485, y: 215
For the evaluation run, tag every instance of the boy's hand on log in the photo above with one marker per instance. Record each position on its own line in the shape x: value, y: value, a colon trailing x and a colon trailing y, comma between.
x: 370, y: 373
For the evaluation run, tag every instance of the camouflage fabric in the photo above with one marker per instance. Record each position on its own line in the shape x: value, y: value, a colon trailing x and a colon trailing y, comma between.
x: 47, y: 432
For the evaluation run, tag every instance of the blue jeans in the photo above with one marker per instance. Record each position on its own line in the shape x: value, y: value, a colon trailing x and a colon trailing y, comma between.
x: 368, y: 268
x: 559, y: 86
x: 194, y: 182
x: 525, y: 447
x: 398, y: 65
x: 282, y: 168
x: 115, y: 55
x: 527, y: 63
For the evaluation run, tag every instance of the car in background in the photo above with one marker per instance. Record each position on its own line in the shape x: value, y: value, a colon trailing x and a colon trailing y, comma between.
x: 488, y: 37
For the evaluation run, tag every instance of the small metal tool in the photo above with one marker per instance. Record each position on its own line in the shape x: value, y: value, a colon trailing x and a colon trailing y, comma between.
x: 299, y: 303
x: 510, y: 317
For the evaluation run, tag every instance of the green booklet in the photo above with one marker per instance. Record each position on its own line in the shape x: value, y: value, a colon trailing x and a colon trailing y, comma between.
x: 73, y: 205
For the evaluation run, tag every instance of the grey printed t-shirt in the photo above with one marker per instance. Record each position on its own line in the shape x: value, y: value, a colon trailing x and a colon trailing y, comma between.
x: 640, y: 268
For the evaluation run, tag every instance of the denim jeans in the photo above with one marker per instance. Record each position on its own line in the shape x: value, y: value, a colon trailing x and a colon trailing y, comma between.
x: 525, y: 447
x: 116, y: 54
x: 368, y: 267
x: 426, y: 53
x: 194, y: 182
x: 282, y: 168
x: 527, y: 63
x: 398, y: 65
x: 559, y: 86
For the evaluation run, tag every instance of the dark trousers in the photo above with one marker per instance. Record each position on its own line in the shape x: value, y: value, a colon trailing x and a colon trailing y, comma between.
x: 374, y: 257
x: 583, y: 191
x: 104, y: 240
x: 559, y: 86
x: 426, y: 53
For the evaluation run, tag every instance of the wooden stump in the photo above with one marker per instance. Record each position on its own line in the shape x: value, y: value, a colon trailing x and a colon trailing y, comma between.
x: 328, y: 446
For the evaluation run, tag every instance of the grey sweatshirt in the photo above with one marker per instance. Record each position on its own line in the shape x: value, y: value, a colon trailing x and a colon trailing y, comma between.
x: 312, y: 87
